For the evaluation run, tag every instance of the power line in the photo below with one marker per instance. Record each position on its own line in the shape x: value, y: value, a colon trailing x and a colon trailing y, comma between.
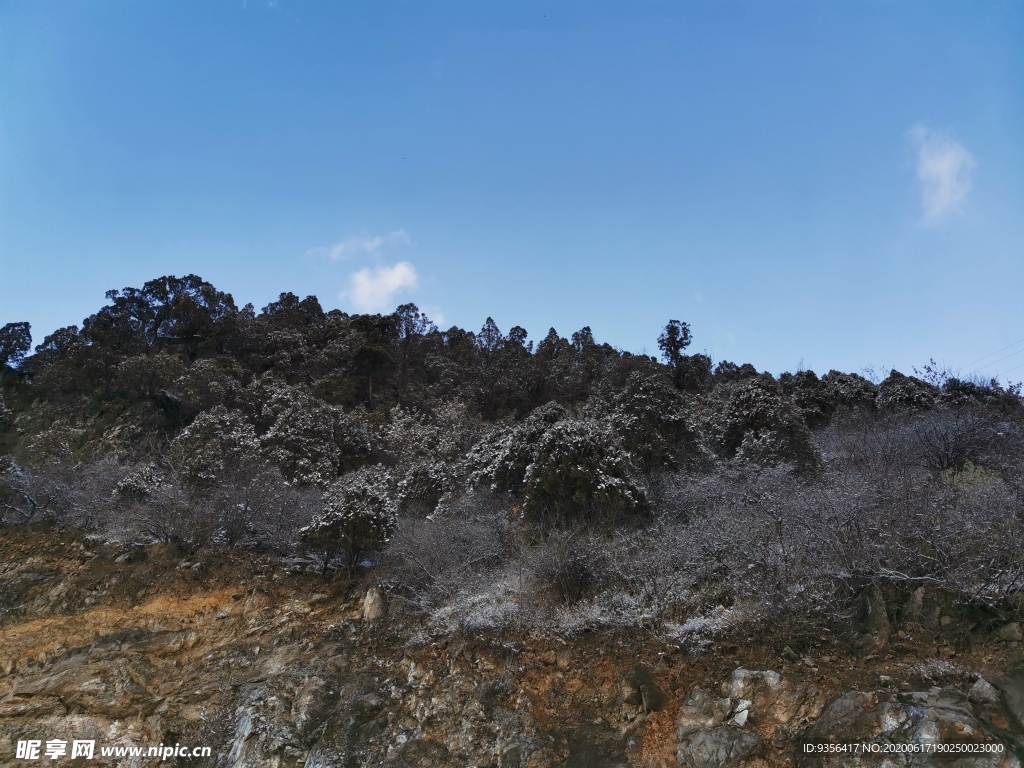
x: 1012, y: 354
x: 986, y: 357
x: 1012, y: 369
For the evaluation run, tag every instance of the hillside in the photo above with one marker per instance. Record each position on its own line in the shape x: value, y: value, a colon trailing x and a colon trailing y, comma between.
x: 307, y: 537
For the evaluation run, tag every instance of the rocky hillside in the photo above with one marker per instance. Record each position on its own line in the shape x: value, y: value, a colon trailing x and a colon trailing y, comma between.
x: 140, y: 646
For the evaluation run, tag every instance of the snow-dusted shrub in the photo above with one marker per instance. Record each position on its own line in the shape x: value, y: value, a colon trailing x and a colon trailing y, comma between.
x: 72, y: 494
x: 579, y: 471
x: 571, y: 566
x: 427, y: 486
x: 431, y: 561
x: 445, y: 433
x: 359, y: 516
x: 809, y: 394
x: 18, y: 499
x: 906, y: 392
x: 501, y: 459
x: 148, y: 375
x: 949, y: 438
x: 848, y: 390
x: 312, y: 441
x: 750, y: 419
x: 981, y: 395
x: 210, y: 382
x: 154, y: 503
x: 651, y: 417
x: 139, y: 484
x: 55, y: 444
x: 565, y: 468
x: 218, y: 444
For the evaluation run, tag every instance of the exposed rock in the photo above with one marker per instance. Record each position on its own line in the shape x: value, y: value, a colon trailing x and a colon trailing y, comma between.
x: 375, y: 606
x: 982, y: 692
x: 874, y: 628
x: 716, y: 748
x: 295, y: 678
x: 914, y: 609
x: 639, y: 688
x: 1013, y: 692
x: 937, y: 716
x: 1011, y: 633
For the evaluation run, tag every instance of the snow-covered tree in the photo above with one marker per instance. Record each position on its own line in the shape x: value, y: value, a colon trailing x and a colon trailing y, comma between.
x: 358, y: 517
x: 312, y: 441
x: 443, y: 433
x: 651, y: 416
x: 501, y: 458
x: 906, y: 392
x: 427, y: 487
x: 149, y: 375
x: 210, y: 382
x: 56, y: 443
x: 849, y: 390
x: 750, y: 419
x: 218, y: 444
x: 580, y: 470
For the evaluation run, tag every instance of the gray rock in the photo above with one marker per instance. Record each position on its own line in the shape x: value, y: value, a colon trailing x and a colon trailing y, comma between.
x: 874, y: 628
x: 914, y: 609
x: 982, y: 692
x: 1011, y: 633
x: 939, y: 715
x: 639, y: 688
x: 716, y: 748
x: 375, y: 606
x: 1013, y: 690
x: 749, y: 683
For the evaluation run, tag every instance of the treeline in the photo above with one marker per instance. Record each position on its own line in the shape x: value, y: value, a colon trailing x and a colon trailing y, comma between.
x: 172, y: 414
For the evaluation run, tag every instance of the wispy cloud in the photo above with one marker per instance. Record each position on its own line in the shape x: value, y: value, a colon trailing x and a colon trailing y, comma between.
x: 944, y: 169
x: 435, y: 314
x: 373, y: 289
x: 363, y: 243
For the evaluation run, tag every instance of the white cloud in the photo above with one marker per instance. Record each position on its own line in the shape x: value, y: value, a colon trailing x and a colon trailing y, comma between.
x: 362, y: 244
x: 373, y: 290
x: 944, y: 169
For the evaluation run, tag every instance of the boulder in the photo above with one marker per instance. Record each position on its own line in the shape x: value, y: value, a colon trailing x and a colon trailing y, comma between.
x: 375, y: 605
x: 716, y: 748
x: 1011, y: 633
x: 639, y: 688
x: 939, y: 715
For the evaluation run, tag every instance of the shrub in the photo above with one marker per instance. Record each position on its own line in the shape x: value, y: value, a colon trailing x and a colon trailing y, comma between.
x: 572, y: 566
x: 502, y: 457
x: 312, y: 441
x: 358, y: 517
x: 906, y: 392
x: 651, y: 417
x: 581, y: 471
x: 430, y: 561
x: 810, y: 395
x: 217, y: 444
x: 848, y: 390
x: 426, y: 485
x: 751, y: 420
x: 948, y: 439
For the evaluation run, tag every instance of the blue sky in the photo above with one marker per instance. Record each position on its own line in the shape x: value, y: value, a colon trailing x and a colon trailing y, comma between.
x: 837, y: 185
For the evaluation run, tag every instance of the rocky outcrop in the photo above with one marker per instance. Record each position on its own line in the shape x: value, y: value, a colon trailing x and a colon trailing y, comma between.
x: 909, y: 729
x: 276, y: 673
x: 762, y: 717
